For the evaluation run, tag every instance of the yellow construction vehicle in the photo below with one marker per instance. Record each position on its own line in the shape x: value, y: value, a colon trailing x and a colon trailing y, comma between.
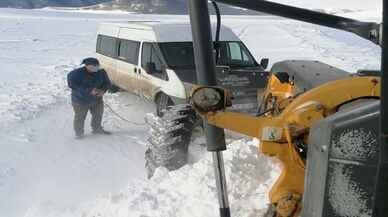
x: 288, y: 79
x: 307, y: 105
x: 284, y: 135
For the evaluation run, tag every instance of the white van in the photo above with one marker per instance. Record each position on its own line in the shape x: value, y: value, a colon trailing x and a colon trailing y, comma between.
x: 156, y: 60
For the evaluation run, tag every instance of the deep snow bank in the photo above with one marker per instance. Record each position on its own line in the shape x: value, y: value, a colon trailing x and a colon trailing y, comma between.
x: 191, y: 191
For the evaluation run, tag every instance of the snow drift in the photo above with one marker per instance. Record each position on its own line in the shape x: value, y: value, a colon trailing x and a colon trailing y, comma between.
x: 191, y: 191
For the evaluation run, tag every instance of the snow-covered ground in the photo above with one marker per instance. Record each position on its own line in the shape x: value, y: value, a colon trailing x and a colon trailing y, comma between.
x: 45, y: 172
x: 41, y: 165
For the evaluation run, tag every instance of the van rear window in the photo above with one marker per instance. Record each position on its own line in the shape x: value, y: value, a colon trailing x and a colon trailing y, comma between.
x: 129, y: 51
x: 107, y: 46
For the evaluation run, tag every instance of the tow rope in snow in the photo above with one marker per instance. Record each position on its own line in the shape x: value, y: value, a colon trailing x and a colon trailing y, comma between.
x: 121, y: 117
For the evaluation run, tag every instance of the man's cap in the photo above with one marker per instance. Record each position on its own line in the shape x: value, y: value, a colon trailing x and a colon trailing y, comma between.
x: 91, y: 61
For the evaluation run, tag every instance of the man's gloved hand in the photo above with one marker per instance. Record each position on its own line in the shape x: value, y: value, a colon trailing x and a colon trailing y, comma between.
x: 97, y: 92
x: 94, y: 92
x: 100, y: 93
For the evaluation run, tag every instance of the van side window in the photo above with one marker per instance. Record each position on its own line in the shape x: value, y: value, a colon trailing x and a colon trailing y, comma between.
x: 129, y: 51
x: 106, y: 46
x: 149, y: 55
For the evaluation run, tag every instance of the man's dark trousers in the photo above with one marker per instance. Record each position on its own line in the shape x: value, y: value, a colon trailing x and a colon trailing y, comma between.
x: 81, y: 110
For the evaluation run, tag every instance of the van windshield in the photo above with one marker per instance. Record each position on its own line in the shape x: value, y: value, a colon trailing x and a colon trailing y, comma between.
x: 180, y: 55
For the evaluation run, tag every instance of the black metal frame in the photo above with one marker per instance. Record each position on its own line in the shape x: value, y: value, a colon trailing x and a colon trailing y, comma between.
x: 380, y: 204
x: 206, y: 72
x: 367, y: 30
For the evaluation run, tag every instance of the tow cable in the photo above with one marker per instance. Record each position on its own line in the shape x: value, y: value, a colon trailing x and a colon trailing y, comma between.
x: 121, y: 117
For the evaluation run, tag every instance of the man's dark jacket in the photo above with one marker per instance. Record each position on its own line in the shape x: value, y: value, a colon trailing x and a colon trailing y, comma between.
x: 83, y: 82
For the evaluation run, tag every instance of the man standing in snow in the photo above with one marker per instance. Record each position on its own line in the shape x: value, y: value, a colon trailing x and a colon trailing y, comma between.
x: 88, y: 85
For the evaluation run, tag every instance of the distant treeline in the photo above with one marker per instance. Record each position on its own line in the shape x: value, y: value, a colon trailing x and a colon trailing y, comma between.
x: 140, y: 6
x: 45, y: 3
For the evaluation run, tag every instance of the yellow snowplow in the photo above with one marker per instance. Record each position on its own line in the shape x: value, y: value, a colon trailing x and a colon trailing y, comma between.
x: 285, y: 135
x: 326, y: 126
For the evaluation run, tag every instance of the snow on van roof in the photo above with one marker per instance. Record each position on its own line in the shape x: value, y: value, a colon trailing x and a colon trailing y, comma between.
x: 159, y: 31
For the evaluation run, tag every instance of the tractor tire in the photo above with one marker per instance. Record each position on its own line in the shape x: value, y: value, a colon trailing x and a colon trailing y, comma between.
x: 170, y: 137
x: 162, y: 103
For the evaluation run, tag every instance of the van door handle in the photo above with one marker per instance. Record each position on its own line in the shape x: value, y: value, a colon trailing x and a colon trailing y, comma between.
x: 139, y: 71
x: 135, y: 70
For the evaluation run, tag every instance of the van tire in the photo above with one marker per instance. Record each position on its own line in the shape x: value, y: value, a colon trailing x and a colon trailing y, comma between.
x: 162, y: 102
x: 169, y: 138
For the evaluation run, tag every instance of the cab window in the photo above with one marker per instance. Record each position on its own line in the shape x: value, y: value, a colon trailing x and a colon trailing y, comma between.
x: 129, y: 51
x: 239, y: 55
x: 150, y: 59
x: 180, y: 55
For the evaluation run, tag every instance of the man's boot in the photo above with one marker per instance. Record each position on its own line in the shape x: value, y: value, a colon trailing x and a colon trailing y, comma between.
x: 79, y: 136
x: 101, y: 131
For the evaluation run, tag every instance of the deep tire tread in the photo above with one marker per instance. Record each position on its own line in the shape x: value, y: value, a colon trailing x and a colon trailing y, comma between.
x: 169, y: 138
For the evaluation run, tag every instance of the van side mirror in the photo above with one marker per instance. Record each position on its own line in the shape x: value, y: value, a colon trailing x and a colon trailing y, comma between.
x: 264, y: 63
x: 150, y: 67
